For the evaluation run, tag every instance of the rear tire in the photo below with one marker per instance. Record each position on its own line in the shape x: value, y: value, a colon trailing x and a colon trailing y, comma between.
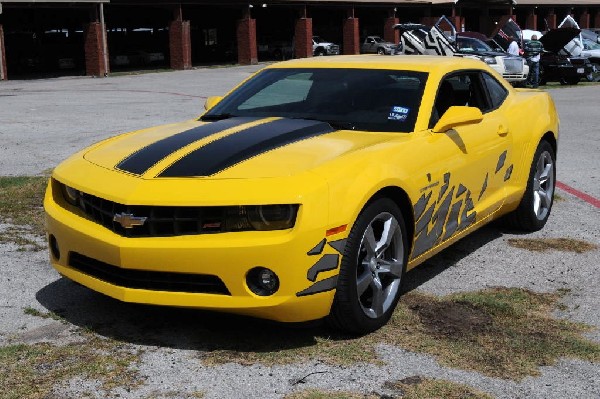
x: 536, y: 204
x: 373, y: 264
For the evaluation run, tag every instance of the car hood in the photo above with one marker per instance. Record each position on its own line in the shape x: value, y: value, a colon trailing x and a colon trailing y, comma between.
x: 485, y: 53
x: 235, y: 148
x: 556, y: 39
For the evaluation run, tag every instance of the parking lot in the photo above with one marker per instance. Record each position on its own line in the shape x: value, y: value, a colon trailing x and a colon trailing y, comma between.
x: 44, y: 121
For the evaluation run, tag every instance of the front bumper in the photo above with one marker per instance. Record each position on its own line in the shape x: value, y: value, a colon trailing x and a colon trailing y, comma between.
x: 303, y: 294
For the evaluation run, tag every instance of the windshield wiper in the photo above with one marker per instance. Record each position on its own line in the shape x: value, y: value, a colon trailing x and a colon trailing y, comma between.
x: 342, y: 125
x: 216, y: 117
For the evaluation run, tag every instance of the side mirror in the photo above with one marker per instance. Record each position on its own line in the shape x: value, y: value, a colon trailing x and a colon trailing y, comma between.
x: 457, y: 115
x: 211, y: 102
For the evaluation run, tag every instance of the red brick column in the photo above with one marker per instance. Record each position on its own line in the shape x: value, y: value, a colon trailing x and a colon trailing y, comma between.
x: 531, y: 22
x: 94, y: 50
x: 551, y: 19
x: 303, y: 38
x: 3, y: 75
x: 389, y: 33
x: 584, y: 20
x: 246, y: 38
x: 180, y: 44
x: 351, y: 37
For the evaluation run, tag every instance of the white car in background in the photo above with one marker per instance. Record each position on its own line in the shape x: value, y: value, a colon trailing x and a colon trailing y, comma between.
x: 425, y: 40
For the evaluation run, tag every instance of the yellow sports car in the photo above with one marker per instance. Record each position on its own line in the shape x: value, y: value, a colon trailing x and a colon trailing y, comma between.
x: 308, y: 191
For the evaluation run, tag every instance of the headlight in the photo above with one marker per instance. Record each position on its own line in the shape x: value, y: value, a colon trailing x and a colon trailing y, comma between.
x: 489, y: 60
x: 261, y: 217
x: 70, y: 194
x: 272, y: 217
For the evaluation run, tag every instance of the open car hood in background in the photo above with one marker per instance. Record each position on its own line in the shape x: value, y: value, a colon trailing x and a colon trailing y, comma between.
x: 574, y: 47
x: 506, y: 31
x: 556, y: 39
x: 424, y: 40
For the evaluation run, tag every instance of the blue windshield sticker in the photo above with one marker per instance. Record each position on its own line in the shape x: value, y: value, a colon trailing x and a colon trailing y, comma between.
x: 399, y: 114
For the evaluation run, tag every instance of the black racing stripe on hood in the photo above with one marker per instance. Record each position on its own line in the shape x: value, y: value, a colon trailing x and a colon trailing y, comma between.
x: 142, y: 160
x: 238, y: 147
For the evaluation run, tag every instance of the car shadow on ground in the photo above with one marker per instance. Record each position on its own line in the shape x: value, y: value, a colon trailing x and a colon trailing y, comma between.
x: 192, y: 329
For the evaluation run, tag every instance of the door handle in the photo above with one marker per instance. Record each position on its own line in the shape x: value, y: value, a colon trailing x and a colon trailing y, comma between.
x: 502, y: 130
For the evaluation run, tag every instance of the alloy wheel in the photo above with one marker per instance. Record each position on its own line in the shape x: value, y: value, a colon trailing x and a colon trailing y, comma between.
x: 543, y: 185
x: 379, y: 265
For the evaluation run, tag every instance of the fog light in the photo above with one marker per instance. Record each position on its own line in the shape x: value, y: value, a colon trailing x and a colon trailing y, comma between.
x: 53, y: 244
x: 262, y: 281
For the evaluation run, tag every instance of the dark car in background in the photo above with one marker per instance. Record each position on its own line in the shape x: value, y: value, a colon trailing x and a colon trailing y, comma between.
x: 557, y: 64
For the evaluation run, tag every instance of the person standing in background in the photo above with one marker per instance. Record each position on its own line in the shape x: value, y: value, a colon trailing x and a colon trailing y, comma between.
x: 513, y: 47
x: 533, y: 49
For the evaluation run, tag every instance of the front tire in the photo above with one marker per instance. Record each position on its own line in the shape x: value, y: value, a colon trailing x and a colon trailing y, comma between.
x: 381, y: 51
x: 373, y: 264
x: 536, y: 204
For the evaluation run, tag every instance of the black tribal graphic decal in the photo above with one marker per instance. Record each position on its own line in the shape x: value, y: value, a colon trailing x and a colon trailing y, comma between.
x: 439, y: 217
x: 326, y: 262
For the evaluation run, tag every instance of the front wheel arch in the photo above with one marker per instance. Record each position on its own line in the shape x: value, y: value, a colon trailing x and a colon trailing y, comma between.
x: 372, y: 269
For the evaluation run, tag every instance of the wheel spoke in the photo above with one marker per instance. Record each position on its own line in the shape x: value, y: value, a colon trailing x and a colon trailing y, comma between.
x: 389, y: 229
x: 545, y: 199
x: 392, y: 267
x: 536, y: 202
x: 545, y: 174
x: 364, y: 281
x: 378, y: 298
x: 370, y: 242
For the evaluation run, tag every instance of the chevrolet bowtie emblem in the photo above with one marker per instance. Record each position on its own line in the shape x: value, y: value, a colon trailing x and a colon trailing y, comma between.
x: 128, y: 221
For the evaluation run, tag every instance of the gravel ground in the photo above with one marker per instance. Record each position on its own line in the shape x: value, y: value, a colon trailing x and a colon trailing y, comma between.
x: 42, y: 122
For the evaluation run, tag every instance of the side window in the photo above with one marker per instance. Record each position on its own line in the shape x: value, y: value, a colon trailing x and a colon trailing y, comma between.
x: 458, y: 89
x: 496, y: 91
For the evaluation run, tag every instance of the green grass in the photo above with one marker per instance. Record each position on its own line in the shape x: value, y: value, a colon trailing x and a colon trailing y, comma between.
x: 21, y: 205
x: 31, y: 371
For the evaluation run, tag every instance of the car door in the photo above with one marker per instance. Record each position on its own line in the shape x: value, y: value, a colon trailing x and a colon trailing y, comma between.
x: 468, y: 165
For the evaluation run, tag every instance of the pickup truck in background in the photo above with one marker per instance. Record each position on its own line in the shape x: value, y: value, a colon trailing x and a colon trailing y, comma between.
x: 322, y: 47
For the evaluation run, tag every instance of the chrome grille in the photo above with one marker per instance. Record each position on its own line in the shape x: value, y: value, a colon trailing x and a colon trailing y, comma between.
x: 513, y: 65
x: 162, y: 221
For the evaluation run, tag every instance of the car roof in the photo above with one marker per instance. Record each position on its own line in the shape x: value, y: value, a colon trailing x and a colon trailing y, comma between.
x: 422, y: 63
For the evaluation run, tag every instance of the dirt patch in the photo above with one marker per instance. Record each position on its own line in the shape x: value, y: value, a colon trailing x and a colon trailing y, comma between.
x: 452, y: 319
x: 556, y: 244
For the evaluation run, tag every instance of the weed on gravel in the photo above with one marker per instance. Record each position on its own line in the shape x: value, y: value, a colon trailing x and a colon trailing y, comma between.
x: 547, y: 244
x: 500, y: 332
x: 414, y: 387
x: 32, y: 371
x: 21, y: 205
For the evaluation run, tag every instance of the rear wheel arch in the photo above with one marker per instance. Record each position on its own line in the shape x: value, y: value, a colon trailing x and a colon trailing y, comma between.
x: 551, y: 139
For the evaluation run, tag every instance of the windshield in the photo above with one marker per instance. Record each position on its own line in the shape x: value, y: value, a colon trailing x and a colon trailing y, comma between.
x: 363, y: 99
x: 378, y: 39
x: 318, y: 39
x: 590, y: 45
x: 471, y: 44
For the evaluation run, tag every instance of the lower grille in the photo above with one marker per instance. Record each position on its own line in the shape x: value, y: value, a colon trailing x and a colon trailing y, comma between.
x: 148, y: 280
